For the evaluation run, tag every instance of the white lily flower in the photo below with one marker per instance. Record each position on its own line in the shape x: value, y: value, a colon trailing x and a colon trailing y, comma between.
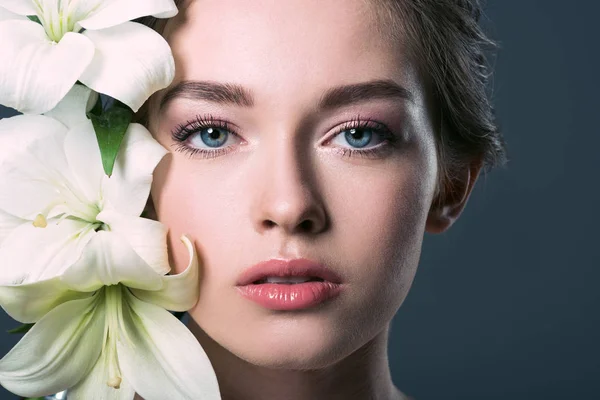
x: 93, y: 41
x: 55, y: 197
x: 102, y: 332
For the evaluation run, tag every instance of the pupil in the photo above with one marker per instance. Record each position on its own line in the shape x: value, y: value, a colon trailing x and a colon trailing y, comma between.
x: 356, y: 134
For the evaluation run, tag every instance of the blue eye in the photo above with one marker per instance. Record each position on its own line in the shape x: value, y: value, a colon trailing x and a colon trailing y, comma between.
x: 205, y: 136
x: 358, y: 137
x: 211, y: 137
x: 363, y: 138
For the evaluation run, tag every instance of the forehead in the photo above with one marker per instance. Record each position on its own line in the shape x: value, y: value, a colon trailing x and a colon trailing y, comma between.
x: 291, y: 46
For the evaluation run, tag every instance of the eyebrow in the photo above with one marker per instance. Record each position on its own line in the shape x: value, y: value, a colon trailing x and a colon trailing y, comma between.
x: 336, y: 97
x: 221, y: 93
x: 349, y: 94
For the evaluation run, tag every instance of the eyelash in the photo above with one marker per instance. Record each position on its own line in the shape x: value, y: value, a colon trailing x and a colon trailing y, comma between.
x: 184, y: 131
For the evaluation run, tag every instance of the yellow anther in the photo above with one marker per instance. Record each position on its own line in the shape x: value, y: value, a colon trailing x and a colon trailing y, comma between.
x: 114, y: 382
x: 40, y: 221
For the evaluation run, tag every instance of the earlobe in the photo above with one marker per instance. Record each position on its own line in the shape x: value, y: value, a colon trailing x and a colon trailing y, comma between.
x: 444, y: 213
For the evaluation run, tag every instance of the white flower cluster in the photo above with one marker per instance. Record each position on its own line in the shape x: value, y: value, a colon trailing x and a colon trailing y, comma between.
x: 78, y: 263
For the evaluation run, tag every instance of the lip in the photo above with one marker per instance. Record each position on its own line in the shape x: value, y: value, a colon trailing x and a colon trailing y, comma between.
x: 284, y: 297
x: 287, y: 297
x: 282, y: 268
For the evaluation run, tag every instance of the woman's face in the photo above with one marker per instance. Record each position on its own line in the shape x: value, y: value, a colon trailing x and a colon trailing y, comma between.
x: 305, y: 135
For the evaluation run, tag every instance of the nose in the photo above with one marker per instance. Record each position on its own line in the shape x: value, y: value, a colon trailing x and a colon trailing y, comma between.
x: 287, y: 197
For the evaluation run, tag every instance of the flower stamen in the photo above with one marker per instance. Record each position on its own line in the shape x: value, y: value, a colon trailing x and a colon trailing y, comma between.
x: 114, y: 371
x: 114, y: 382
x: 40, y: 221
x: 114, y: 297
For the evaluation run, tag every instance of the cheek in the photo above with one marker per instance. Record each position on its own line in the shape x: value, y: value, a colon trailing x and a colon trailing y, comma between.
x: 197, y: 202
x: 380, y: 223
x: 384, y: 210
x: 178, y: 202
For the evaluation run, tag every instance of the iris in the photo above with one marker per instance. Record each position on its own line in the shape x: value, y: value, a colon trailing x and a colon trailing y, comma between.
x: 358, y: 137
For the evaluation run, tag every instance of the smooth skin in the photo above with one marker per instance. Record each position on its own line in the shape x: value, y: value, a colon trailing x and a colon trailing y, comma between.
x: 279, y: 182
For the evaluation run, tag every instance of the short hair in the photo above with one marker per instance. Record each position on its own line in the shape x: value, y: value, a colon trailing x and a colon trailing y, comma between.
x: 449, y: 47
x: 451, y: 50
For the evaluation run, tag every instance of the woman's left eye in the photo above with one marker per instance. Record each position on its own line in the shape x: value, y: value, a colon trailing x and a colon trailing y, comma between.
x: 358, y: 138
x: 367, y: 139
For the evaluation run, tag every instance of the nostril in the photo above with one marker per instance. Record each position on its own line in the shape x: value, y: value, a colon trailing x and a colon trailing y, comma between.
x: 269, y: 224
x: 306, y: 225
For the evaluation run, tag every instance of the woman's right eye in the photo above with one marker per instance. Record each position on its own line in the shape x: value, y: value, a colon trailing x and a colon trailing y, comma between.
x: 211, y: 137
x: 205, y: 137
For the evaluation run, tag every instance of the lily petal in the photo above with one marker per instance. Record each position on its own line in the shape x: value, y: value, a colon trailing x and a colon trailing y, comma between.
x: 128, y: 188
x: 117, y: 12
x: 94, y: 387
x: 167, y: 361
x: 31, y: 254
x: 57, y: 352
x: 19, y: 6
x: 7, y: 14
x: 36, y: 73
x: 8, y: 223
x: 18, y: 132
x: 108, y: 260
x: 30, y: 302
x: 76, y: 10
x: 28, y: 176
x: 85, y: 162
x: 131, y: 62
x: 147, y: 237
x: 36, y: 180
x: 71, y: 110
x: 179, y: 292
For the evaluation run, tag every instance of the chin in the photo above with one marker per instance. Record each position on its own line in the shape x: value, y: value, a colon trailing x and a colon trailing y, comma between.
x: 291, y: 355
x: 293, y: 341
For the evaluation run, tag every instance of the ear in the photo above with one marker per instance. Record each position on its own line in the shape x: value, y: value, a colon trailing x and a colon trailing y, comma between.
x: 445, y: 212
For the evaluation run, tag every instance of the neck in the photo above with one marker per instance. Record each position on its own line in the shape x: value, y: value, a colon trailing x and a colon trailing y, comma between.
x: 365, y: 374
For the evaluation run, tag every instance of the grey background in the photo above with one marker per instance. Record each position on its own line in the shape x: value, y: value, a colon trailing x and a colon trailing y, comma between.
x: 505, y: 305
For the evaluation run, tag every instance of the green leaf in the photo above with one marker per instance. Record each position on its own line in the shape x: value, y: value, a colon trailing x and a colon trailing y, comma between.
x: 110, y: 125
x: 34, y: 18
x: 21, y: 329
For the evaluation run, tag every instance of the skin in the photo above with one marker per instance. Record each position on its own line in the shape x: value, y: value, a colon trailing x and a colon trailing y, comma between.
x: 284, y: 190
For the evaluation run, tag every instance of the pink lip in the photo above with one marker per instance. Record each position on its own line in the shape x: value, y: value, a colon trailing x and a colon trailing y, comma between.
x: 277, y: 267
x: 281, y: 296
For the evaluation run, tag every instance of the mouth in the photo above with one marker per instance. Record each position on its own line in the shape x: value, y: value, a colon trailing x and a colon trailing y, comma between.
x: 287, y: 272
x: 288, y: 285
